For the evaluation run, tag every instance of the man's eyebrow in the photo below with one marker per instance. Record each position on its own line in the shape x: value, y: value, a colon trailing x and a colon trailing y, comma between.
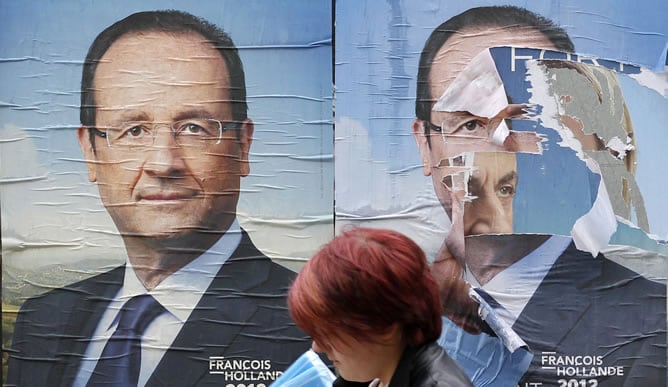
x: 474, y: 181
x: 194, y: 113
x: 458, y: 115
x: 133, y: 115
x: 508, y: 177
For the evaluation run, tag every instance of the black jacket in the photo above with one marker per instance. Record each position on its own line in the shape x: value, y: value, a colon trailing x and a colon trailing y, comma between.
x: 426, y: 366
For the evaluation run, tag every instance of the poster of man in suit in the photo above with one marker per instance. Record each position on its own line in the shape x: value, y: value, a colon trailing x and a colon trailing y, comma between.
x: 527, y: 183
x: 170, y: 167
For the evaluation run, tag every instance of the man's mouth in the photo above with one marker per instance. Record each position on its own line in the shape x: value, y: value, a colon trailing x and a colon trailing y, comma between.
x: 167, y: 196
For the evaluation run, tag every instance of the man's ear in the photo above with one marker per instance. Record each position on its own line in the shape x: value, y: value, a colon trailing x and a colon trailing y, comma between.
x: 88, y: 152
x: 423, y: 146
x: 245, y: 142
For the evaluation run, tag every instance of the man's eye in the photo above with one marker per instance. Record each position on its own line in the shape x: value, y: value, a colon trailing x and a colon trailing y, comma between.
x: 472, y: 126
x: 194, y: 129
x: 191, y: 128
x: 506, y: 190
x: 134, y: 131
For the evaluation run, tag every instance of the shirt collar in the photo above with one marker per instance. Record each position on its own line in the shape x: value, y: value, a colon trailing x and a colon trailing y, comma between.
x: 181, y: 292
x: 514, y: 286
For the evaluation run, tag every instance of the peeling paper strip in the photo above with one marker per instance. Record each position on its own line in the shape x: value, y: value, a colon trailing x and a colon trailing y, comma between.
x: 552, y: 109
x: 592, y: 231
x: 478, y: 89
x: 500, y: 133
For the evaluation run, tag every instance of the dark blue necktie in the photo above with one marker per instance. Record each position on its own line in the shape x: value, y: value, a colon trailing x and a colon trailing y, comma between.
x: 121, y: 358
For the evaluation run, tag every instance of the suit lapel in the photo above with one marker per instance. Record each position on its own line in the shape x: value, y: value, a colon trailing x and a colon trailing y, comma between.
x: 96, y: 293
x: 217, y: 320
x: 560, y: 300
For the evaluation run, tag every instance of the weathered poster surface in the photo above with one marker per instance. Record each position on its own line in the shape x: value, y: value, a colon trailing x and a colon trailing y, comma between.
x: 174, y: 152
x: 526, y: 159
x: 198, y: 157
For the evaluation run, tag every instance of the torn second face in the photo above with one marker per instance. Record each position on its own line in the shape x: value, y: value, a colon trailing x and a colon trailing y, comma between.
x: 477, y: 191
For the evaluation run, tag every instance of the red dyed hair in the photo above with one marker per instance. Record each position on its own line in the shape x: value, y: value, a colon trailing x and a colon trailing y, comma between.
x: 361, y: 283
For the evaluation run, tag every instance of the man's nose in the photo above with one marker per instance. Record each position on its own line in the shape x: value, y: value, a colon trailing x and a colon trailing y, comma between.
x: 165, y: 157
x: 487, y: 215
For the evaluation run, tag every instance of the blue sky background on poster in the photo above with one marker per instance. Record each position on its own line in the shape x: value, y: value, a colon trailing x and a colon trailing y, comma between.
x: 43, y: 45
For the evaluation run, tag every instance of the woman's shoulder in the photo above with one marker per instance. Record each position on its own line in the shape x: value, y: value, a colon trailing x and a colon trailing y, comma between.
x: 433, y: 367
x: 340, y: 382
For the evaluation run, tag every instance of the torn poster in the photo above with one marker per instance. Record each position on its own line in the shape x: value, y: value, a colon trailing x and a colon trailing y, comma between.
x: 536, y: 170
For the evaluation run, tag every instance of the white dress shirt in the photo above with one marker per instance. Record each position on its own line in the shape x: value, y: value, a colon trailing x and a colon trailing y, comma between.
x: 178, y: 294
x: 514, y: 286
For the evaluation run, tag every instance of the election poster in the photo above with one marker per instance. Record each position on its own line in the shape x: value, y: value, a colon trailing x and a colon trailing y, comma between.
x: 522, y: 146
x: 167, y: 167
x: 170, y: 151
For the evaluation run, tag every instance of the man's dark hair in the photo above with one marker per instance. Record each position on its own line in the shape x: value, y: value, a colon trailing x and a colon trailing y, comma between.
x: 481, y: 17
x: 164, y: 21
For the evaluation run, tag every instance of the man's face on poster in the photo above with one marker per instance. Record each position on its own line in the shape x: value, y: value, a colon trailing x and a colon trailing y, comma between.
x: 565, y: 122
x: 173, y: 185
x: 491, y: 187
x: 483, y: 183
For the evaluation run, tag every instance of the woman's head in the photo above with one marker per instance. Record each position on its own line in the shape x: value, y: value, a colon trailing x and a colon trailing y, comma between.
x: 363, y: 284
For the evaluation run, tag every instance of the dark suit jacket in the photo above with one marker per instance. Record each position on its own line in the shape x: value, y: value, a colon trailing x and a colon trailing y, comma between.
x: 241, y: 316
x: 584, y: 306
x: 589, y: 306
